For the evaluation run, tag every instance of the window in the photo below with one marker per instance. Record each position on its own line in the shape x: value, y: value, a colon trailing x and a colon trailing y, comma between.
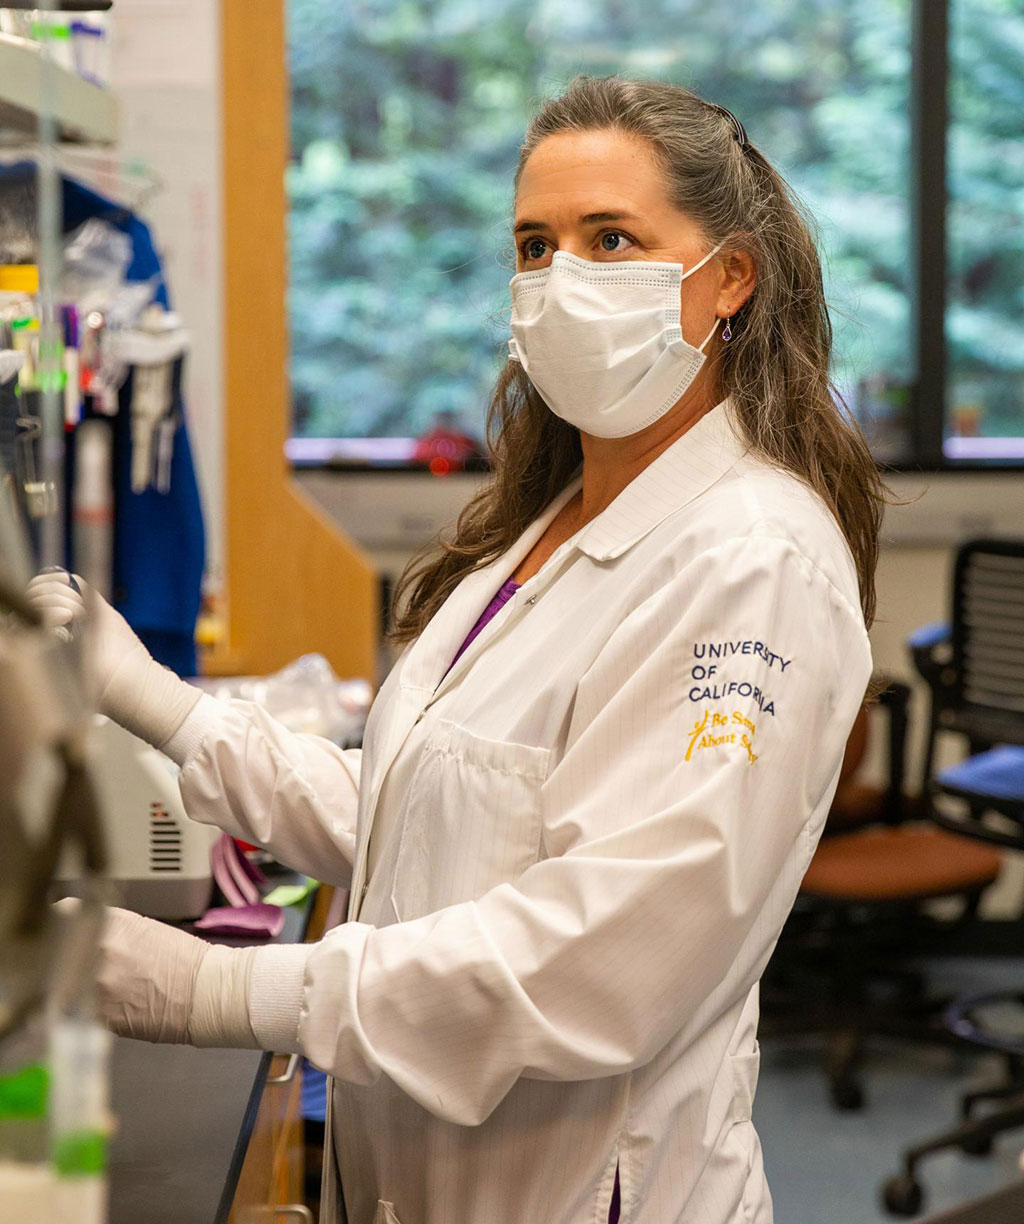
x: 985, y: 251
x: 406, y: 120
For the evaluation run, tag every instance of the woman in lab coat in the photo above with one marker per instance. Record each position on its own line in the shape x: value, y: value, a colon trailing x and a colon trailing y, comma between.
x: 572, y: 843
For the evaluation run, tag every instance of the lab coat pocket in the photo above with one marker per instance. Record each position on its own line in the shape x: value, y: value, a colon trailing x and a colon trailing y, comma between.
x: 385, y: 1213
x: 744, y: 1084
x: 472, y: 820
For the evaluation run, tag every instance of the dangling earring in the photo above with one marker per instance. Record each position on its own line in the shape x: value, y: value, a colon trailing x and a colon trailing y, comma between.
x: 727, y: 334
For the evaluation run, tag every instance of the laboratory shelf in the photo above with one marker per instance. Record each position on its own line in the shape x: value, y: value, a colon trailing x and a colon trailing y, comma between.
x: 83, y: 111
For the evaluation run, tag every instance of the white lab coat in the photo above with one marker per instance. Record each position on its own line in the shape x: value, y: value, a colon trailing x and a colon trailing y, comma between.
x: 588, y: 836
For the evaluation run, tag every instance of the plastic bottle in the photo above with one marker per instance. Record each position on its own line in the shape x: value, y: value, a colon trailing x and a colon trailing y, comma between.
x: 27, y: 1175
x: 80, y: 1059
x: 92, y: 506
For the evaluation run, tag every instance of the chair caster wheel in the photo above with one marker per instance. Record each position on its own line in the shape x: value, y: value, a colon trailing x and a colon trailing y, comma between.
x: 847, y: 1095
x: 980, y: 1145
x: 902, y: 1195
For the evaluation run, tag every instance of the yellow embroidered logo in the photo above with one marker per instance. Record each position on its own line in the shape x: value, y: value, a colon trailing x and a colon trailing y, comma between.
x: 716, y: 730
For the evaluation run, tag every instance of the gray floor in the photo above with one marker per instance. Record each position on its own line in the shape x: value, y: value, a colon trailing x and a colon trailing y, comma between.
x: 825, y: 1167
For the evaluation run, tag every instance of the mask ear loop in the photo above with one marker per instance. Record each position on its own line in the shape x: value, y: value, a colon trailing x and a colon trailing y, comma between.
x: 697, y: 266
x: 689, y: 272
x: 703, y: 344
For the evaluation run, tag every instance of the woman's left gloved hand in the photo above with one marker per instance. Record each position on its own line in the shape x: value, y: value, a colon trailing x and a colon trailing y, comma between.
x: 157, y: 983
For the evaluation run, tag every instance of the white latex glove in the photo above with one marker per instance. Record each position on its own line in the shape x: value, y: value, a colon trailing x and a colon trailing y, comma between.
x: 131, y: 687
x: 157, y: 983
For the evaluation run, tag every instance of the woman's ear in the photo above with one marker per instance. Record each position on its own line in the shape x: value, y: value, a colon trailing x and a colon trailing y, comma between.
x: 738, y: 282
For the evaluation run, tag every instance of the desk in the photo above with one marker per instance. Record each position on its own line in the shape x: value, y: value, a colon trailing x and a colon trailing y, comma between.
x: 185, y: 1117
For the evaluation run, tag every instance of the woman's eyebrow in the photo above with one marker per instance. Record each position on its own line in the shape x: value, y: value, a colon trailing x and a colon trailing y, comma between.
x: 595, y: 218
x: 599, y: 218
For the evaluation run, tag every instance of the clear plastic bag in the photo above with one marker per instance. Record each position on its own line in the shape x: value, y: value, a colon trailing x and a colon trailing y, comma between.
x: 96, y: 258
x: 305, y: 696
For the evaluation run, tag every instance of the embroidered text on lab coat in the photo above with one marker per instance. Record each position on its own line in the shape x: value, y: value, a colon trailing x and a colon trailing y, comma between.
x: 717, y: 730
x: 718, y: 690
x: 725, y: 650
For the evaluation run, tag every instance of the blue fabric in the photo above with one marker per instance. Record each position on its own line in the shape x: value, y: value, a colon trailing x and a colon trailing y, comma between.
x: 314, y: 1093
x: 174, y: 650
x: 996, y: 774
x: 929, y: 635
x: 159, y: 539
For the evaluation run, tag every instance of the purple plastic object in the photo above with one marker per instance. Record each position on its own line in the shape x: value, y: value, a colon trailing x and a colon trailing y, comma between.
x: 232, y: 859
x: 249, y: 867
x: 223, y: 878
x: 232, y: 873
x: 237, y: 880
x: 250, y: 921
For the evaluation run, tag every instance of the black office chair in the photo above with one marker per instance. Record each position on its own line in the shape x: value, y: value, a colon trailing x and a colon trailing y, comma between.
x: 975, y: 671
x: 843, y: 967
x: 1006, y: 1206
x: 992, y: 1021
x: 974, y: 667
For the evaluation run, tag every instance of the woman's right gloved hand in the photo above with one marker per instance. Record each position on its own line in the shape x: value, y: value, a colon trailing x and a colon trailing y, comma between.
x: 130, y: 686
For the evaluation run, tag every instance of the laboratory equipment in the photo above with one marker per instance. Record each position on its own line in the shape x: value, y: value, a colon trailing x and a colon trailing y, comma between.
x: 158, y: 860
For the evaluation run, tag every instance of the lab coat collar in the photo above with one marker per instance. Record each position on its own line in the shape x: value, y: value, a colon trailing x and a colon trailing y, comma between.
x: 431, y: 656
x: 690, y: 465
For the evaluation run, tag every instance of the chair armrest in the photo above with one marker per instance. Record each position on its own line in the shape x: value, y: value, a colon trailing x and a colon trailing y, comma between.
x: 894, y: 698
x: 927, y: 650
x: 930, y: 635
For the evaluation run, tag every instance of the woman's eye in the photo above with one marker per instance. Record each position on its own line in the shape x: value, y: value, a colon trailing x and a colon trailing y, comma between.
x: 534, y: 248
x: 614, y: 241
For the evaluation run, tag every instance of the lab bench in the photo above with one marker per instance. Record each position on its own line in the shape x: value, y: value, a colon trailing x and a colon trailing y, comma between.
x: 207, y: 1136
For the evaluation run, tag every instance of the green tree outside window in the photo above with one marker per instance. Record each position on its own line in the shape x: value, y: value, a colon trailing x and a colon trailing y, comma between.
x: 406, y: 119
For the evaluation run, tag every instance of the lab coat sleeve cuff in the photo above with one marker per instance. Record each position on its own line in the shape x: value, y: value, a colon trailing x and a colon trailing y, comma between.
x: 276, y: 991
x: 183, y: 746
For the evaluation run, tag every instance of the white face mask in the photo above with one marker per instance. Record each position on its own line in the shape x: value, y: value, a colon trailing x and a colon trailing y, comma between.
x: 602, y: 343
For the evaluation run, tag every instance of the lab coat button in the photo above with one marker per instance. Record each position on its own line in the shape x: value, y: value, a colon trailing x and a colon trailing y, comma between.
x: 531, y: 601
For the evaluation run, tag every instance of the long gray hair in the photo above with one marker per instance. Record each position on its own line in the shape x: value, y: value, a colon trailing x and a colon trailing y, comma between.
x: 776, y: 367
